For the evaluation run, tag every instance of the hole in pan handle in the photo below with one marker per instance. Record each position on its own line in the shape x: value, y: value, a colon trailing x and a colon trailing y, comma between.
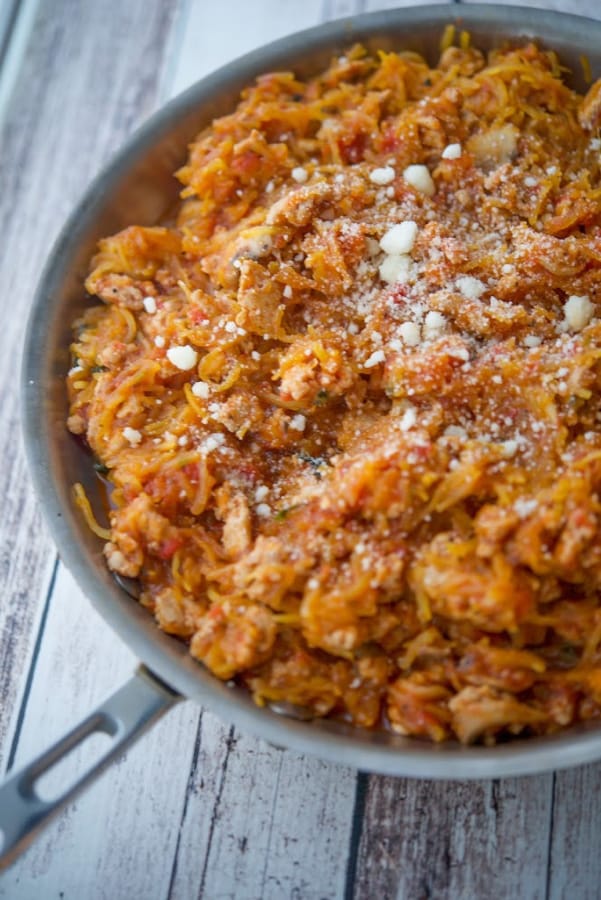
x: 124, y: 716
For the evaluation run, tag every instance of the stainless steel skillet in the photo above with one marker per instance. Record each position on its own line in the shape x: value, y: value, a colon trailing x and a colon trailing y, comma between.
x: 138, y: 188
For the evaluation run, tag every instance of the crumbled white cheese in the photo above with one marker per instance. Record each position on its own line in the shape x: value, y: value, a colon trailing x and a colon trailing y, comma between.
x: 383, y: 175
x: 578, y: 312
x: 396, y: 267
x: 255, y: 355
x: 419, y: 177
x: 507, y: 269
x: 373, y: 360
x: 400, y: 238
x: 410, y: 333
x: 409, y: 419
x: 132, y: 436
x: 200, y: 389
x: 524, y: 507
x: 455, y: 431
x: 529, y: 181
x: 116, y: 560
x: 298, y: 422
x: 150, y: 305
x: 159, y: 341
x: 299, y: 174
x: 183, y: 358
x: 452, y: 151
x: 212, y: 442
x: 471, y: 288
x: 263, y: 510
x: 532, y: 340
x: 509, y: 448
x: 434, y: 325
x: 459, y: 353
x: 261, y: 492
x: 230, y: 327
x: 182, y: 440
x: 287, y: 292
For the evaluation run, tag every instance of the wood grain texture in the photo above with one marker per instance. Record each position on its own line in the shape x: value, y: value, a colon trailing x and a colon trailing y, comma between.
x: 440, y: 840
x: 118, y: 839
x: 209, y: 40
x: 577, y: 7
x: 575, y: 857
x: 49, y: 151
x: 373, y: 5
x: 277, y: 826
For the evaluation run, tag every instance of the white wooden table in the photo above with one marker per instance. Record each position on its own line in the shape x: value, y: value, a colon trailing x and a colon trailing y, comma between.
x: 197, y: 809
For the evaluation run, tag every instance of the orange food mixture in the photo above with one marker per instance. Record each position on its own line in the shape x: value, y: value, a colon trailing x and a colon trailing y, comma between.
x: 350, y: 399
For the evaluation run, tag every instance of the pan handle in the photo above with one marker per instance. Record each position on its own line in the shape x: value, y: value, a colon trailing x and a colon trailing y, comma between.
x: 124, y: 716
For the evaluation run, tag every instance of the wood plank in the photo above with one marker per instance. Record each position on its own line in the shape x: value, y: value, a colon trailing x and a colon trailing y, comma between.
x: 115, y: 829
x: 575, y: 858
x: 441, y: 840
x: 271, y: 824
x: 577, y: 7
x: 373, y: 5
x: 73, y: 54
x: 339, y: 9
x: 209, y: 41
